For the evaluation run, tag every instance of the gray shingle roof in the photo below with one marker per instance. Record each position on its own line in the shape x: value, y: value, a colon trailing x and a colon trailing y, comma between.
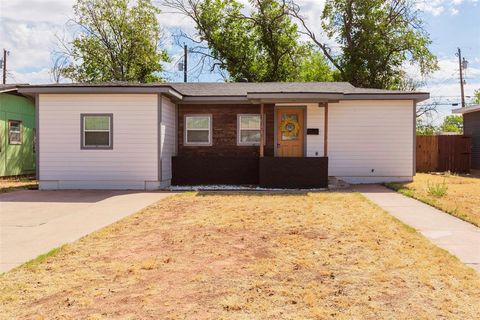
x: 238, y: 91
x: 242, y: 88
x: 209, y: 89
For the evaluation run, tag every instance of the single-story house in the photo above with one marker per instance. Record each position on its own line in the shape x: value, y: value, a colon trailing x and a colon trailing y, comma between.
x: 471, y: 127
x: 150, y: 136
x: 17, y: 132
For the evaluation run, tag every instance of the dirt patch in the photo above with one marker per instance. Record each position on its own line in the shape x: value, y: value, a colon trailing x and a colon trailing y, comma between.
x: 17, y: 183
x: 221, y: 256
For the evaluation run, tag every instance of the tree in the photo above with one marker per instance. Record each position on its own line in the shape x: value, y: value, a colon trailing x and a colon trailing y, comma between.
x: 476, y: 96
x: 118, y: 41
x: 260, y: 46
x: 376, y: 39
x: 424, y: 128
x: 452, y: 123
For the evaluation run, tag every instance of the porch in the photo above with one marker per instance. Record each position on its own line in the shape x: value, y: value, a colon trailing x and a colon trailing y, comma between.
x: 266, y: 172
x: 268, y: 150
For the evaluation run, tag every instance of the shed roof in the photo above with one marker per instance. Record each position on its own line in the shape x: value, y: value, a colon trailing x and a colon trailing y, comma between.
x: 468, y: 109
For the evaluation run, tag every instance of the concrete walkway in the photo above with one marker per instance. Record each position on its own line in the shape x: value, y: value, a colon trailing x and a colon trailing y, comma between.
x: 34, y: 222
x: 460, y: 238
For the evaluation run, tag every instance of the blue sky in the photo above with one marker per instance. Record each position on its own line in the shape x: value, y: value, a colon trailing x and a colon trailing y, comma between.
x: 29, y: 30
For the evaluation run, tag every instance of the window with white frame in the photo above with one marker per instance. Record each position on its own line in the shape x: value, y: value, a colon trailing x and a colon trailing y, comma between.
x: 97, y: 131
x: 248, y: 133
x: 14, y: 132
x: 198, y: 130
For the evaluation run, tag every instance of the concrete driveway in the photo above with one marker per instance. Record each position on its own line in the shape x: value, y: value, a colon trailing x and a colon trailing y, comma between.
x: 33, y: 222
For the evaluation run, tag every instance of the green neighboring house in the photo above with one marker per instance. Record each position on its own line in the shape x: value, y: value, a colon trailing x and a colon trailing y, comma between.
x: 17, y: 133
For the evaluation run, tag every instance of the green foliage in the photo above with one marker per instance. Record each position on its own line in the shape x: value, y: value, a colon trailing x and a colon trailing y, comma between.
x: 118, y: 41
x: 377, y: 38
x: 263, y: 46
x: 476, y: 96
x: 425, y: 128
x: 315, y: 68
x: 452, y: 123
x: 437, y: 189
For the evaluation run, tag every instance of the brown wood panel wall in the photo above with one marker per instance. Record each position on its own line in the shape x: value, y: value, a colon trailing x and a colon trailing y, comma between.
x: 224, y: 130
x: 471, y: 127
x: 443, y: 153
x: 427, y: 153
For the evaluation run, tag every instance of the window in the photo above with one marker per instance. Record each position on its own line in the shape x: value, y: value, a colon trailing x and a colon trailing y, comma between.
x: 198, y: 130
x: 97, y: 131
x: 14, y: 132
x: 249, y: 129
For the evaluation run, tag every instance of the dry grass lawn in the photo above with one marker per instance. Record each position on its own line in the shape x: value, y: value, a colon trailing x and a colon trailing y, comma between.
x: 12, y: 184
x: 462, y: 197
x: 247, y: 256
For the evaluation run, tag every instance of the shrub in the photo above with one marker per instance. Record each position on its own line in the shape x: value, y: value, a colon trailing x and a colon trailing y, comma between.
x: 437, y: 189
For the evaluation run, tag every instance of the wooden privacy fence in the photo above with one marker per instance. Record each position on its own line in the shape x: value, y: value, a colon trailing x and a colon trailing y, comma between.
x: 443, y: 153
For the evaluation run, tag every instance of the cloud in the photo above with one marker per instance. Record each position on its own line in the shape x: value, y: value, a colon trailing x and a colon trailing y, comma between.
x: 28, y: 29
x: 49, y: 11
x: 454, y: 11
x: 437, y: 7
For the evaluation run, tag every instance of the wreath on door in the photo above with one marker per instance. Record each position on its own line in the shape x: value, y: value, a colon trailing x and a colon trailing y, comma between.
x: 290, y: 127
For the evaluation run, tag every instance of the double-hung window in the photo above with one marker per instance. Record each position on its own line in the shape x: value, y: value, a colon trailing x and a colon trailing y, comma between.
x: 249, y: 127
x: 198, y: 130
x: 14, y: 132
x: 97, y: 131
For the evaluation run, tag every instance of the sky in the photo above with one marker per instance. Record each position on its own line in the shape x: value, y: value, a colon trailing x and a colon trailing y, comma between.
x: 29, y: 30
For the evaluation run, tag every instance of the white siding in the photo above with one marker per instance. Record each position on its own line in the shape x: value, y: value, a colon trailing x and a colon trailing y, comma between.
x: 315, y: 120
x: 131, y: 164
x: 168, y: 139
x: 371, y: 141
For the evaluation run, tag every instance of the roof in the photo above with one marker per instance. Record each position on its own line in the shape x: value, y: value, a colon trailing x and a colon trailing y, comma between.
x: 7, y: 87
x: 234, y: 91
x: 468, y: 109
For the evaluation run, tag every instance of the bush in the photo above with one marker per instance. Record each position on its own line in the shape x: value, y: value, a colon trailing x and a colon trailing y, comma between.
x: 437, y: 189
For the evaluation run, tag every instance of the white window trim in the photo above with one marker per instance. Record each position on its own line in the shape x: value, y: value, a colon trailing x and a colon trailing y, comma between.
x: 20, y: 132
x: 246, y: 144
x: 83, y: 146
x: 185, y: 129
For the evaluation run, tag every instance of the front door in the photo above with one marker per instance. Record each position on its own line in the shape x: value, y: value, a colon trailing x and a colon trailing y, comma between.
x: 290, y: 132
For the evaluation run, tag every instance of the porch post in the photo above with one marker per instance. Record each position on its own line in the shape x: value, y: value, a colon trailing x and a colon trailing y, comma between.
x: 325, y: 135
x: 262, y: 129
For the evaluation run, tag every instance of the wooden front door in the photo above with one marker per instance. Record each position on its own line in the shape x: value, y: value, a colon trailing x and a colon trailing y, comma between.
x: 290, y: 132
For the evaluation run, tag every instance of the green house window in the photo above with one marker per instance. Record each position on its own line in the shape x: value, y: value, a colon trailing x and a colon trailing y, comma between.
x: 97, y: 131
x: 14, y: 132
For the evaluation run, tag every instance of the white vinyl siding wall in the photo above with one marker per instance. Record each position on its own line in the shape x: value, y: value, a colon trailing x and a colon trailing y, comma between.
x: 131, y: 164
x: 168, y: 139
x: 371, y: 135
x: 315, y: 120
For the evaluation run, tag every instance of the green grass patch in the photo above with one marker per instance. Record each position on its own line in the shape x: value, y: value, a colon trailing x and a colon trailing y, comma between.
x: 43, y: 257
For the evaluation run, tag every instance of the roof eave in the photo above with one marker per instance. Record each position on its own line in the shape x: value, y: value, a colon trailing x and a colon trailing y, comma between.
x: 167, y: 90
x: 271, y: 97
x: 469, y: 109
x: 415, y: 96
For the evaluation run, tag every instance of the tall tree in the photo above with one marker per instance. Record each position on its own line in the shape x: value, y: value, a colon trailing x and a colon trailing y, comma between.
x: 376, y: 37
x: 476, y: 96
x: 260, y: 46
x: 118, y: 41
x: 452, y: 123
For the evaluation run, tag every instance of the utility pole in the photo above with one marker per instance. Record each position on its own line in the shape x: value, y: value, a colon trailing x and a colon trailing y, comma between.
x: 462, y: 64
x: 5, y: 52
x: 185, y: 61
